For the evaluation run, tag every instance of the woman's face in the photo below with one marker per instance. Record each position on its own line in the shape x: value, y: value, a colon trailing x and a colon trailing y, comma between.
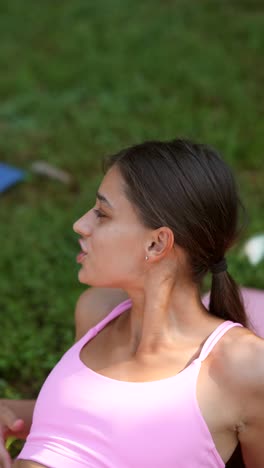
x: 112, y: 238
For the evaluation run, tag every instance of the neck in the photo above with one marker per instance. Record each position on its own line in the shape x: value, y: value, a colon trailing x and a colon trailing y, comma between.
x: 166, y: 313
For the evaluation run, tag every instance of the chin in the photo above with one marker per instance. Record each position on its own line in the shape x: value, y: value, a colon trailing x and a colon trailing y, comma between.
x: 90, y: 280
x: 83, y: 278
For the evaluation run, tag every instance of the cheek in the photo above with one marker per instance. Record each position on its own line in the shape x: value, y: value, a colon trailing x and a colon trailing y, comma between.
x: 112, y: 239
x: 118, y: 246
x: 125, y: 256
x: 113, y: 262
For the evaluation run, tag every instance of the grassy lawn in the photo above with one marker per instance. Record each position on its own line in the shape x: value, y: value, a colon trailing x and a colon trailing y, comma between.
x: 82, y: 79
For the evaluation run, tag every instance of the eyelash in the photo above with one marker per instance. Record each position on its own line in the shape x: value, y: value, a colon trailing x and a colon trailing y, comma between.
x: 98, y: 213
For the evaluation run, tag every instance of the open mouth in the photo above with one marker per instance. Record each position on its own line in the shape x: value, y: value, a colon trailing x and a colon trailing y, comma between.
x: 80, y: 257
x: 83, y: 253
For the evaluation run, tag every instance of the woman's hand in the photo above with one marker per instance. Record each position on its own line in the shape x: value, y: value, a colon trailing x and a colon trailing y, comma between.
x: 10, y: 425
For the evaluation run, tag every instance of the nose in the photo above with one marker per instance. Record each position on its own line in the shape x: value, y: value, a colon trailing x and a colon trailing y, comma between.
x: 83, y: 225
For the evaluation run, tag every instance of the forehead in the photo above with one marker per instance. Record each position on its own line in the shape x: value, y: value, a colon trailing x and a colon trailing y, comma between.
x: 112, y: 188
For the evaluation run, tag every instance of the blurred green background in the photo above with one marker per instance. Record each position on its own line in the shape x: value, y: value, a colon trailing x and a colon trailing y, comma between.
x: 81, y: 79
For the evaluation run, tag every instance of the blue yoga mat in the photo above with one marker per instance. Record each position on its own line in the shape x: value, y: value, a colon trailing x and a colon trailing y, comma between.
x: 9, y: 176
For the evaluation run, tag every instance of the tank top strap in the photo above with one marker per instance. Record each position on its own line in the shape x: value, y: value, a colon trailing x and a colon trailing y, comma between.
x: 215, y: 337
x: 118, y: 310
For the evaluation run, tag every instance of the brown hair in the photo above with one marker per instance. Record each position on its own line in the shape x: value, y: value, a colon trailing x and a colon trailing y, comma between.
x: 189, y: 188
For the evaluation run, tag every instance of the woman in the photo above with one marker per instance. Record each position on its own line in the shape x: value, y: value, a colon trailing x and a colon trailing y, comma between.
x: 159, y: 381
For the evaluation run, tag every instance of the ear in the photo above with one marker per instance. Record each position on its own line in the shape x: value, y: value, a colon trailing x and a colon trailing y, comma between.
x: 161, y: 243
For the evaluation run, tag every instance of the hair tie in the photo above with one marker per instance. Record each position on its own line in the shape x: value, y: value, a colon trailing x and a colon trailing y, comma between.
x: 219, y: 267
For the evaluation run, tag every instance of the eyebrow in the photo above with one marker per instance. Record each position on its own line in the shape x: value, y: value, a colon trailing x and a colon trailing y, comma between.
x: 103, y: 199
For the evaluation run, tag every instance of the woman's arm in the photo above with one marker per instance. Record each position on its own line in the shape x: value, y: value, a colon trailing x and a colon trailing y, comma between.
x: 251, y: 435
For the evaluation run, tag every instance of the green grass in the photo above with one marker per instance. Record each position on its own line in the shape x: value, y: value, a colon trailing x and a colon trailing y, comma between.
x: 82, y: 79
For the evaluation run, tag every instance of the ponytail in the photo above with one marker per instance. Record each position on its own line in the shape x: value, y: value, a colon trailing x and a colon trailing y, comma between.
x: 225, y: 299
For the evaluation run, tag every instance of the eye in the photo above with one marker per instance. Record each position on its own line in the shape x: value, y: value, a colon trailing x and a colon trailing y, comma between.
x: 98, y: 213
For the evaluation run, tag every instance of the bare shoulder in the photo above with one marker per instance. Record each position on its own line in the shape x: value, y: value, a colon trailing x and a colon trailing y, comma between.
x: 245, y: 373
x: 240, y: 357
x: 93, y: 305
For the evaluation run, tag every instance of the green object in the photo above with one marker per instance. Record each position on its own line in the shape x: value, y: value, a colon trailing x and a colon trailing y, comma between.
x: 9, y: 442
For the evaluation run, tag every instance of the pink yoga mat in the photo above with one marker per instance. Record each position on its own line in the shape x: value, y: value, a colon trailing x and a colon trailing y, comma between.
x: 254, y: 304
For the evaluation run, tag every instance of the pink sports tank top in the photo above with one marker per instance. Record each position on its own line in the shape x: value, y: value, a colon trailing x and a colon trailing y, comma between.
x: 85, y: 419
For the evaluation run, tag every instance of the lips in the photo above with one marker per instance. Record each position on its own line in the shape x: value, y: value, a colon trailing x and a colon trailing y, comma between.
x: 80, y: 257
x: 83, y: 253
x: 83, y: 247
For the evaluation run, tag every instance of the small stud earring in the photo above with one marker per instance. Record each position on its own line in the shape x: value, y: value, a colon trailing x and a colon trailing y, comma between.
x: 146, y: 258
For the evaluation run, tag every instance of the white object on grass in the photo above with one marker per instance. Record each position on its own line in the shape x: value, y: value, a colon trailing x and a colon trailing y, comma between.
x: 254, y: 249
x: 46, y: 169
